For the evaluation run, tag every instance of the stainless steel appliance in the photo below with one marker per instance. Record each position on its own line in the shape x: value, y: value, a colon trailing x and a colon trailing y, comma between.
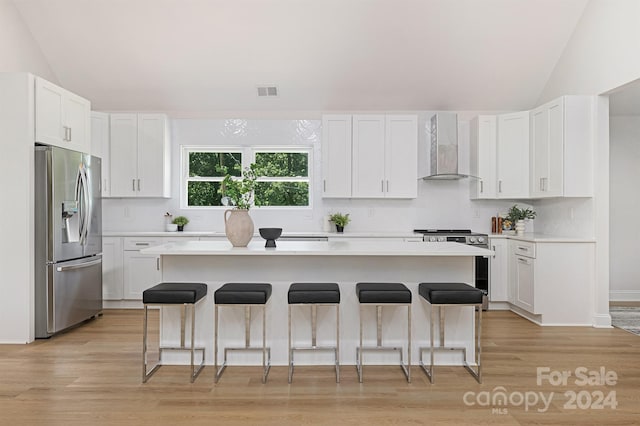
x: 443, y: 147
x: 465, y: 236
x: 68, y: 239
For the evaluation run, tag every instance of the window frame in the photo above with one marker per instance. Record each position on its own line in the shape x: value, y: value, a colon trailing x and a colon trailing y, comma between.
x: 248, y: 156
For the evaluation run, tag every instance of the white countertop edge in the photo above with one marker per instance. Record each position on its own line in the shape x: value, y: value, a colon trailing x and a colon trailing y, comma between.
x: 256, y: 234
x: 543, y: 238
x: 317, y: 248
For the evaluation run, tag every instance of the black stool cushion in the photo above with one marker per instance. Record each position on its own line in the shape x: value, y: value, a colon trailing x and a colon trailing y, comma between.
x: 383, y: 293
x: 314, y: 293
x: 243, y: 294
x: 174, y: 293
x: 450, y: 293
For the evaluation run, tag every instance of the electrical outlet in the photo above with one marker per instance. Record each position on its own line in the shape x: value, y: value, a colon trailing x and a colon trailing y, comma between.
x: 127, y: 213
x: 572, y: 214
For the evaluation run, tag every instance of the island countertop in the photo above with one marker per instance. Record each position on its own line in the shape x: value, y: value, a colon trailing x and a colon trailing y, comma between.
x: 319, y: 248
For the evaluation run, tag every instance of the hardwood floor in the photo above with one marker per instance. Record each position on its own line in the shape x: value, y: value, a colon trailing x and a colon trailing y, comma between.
x: 91, y: 376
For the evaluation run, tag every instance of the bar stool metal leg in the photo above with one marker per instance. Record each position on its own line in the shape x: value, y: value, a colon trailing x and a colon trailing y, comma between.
x: 266, y: 351
x: 195, y: 370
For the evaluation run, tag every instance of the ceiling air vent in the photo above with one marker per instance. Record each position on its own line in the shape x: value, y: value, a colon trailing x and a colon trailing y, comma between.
x: 267, y: 91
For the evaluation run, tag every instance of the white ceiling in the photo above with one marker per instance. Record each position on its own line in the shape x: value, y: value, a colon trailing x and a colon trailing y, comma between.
x: 209, y: 55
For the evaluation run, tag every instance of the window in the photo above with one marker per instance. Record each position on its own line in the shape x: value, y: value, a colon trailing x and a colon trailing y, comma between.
x: 284, y: 179
x: 205, y: 170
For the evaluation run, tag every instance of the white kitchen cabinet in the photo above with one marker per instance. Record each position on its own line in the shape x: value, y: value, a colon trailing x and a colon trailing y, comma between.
x: 141, y: 271
x: 370, y: 156
x: 401, y: 151
x: 100, y: 147
x: 112, y: 268
x: 336, y: 156
x: 139, y: 155
x: 368, y: 174
x: 62, y: 118
x: 385, y: 156
x: 513, y: 155
x: 522, y: 280
x: 483, y: 141
x: 499, y: 270
x: 561, y: 158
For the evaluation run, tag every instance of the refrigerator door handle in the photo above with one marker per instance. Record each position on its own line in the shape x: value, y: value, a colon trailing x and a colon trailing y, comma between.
x: 78, y: 266
x: 87, y: 204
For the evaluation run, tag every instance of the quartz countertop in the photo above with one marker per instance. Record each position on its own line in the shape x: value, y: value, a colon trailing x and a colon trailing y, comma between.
x: 319, y: 248
x: 285, y: 233
x: 543, y: 238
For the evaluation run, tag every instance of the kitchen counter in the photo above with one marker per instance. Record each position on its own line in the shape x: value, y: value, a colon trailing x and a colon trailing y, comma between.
x: 345, y: 262
x: 319, y: 248
x: 256, y: 234
x: 543, y: 238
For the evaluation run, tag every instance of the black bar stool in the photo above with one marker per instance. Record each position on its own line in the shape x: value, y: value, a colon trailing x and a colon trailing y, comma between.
x: 314, y: 295
x: 379, y: 295
x: 245, y: 295
x: 165, y: 294
x: 441, y: 295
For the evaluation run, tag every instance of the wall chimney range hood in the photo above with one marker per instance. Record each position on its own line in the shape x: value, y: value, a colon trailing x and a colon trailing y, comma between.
x: 444, y: 147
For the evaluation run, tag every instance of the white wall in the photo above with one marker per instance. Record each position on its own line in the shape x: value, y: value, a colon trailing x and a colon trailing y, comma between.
x: 443, y: 204
x: 602, y: 53
x: 625, y: 204
x: 18, y: 49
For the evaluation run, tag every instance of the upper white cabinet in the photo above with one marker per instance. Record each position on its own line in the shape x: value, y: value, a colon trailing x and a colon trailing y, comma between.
x: 370, y: 156
x: 561, y: 148
x: 483, y: 140
x: 336, y: 156
x: 100, y: 147
x: 61, y: 118
x: 139, y: 155
x: 513, y: 155
x: 401, y: 152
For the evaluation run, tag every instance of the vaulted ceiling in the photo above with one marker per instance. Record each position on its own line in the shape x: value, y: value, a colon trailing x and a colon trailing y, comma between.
x: 210, y: 55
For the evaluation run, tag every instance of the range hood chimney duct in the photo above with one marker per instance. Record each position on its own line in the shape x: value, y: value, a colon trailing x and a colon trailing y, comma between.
x: 444, y: 147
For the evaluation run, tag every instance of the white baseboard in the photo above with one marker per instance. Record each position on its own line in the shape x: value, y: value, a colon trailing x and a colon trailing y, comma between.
x: 122, y: 304
x: 624, y: 296
x: 602, y: 321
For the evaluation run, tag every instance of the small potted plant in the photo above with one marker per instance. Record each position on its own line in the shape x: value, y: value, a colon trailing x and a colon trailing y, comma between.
x: 518, y: 216
x: 181, y: 221
x: 340, y: 220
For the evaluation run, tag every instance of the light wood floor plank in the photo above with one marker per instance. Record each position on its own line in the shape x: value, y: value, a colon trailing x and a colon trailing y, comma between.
x: 91, y: 375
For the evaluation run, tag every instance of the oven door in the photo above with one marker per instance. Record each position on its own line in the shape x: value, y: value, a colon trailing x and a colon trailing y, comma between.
x: 482, y: 279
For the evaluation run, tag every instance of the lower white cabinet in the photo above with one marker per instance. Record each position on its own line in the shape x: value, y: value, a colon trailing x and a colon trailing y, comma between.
x: 498, y: 269
x: 141, y: 271
x: 112, y: 268
x: 523, y: 290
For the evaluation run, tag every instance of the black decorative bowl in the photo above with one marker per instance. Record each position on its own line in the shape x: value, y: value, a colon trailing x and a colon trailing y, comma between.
x: 271, y: 235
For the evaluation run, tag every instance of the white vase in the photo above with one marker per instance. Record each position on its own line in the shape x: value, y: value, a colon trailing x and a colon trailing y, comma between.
x: 238, y: 227
x: 519, y: 227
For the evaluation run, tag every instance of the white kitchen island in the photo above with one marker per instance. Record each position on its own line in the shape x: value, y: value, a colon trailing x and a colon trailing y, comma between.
x: 343, y: 262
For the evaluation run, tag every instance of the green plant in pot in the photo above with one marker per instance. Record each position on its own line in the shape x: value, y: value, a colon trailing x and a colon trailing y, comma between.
x: 238, y: 193
x: 519, y: 215
x: 340, y: 220
x: 181, y: 221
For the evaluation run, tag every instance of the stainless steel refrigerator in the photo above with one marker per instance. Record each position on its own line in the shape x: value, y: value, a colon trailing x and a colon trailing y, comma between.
x: 68, y: 239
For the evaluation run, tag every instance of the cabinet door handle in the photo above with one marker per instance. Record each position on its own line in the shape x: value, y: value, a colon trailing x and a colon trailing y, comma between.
x: 494, y: 251
x: 324, y: 185
x: 70, y: 137
x: 138, y: 184
x: 499, y: 186
x: 382, y: 185
x: 523, y: 260
x: 142, y: 244
x: 157, y: 263
x: 481, y: 187
x: 387, y: 186
x: 523, y: 248
x: 133, y: 185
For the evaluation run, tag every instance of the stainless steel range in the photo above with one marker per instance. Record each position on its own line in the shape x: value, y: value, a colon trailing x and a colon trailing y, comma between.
x: 465, y: 236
